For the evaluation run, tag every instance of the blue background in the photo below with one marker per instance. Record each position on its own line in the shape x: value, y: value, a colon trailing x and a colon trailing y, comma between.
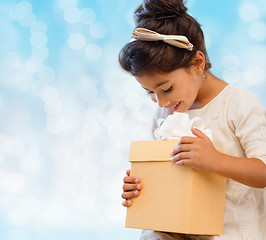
x: 68, y: 112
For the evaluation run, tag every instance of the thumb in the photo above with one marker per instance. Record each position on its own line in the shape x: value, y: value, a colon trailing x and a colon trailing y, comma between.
x: 198, y: 133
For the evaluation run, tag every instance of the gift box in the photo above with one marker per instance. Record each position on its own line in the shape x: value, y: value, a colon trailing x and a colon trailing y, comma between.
x: 174, y: 198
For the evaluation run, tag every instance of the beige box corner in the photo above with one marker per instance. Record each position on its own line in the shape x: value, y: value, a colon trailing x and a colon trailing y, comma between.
x: 174, y: 198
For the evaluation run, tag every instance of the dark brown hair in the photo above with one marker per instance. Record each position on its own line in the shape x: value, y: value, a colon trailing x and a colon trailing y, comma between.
x: 165, y: 17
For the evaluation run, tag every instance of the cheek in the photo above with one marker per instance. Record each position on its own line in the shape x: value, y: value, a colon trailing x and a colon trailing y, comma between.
x: 186, y: 90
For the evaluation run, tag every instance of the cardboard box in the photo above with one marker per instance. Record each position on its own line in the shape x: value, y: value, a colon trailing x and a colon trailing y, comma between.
x: 174, y: 198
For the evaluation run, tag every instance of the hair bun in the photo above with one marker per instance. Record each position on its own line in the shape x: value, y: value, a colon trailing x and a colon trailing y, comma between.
x: 164, y: 8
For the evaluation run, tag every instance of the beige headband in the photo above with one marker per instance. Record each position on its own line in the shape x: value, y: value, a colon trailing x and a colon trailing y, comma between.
x: 144, y: 34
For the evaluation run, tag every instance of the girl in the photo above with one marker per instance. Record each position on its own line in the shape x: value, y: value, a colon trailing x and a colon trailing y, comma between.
x: 168, y: 58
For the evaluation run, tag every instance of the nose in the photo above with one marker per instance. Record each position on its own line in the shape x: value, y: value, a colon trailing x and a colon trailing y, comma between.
x: 161, y: 100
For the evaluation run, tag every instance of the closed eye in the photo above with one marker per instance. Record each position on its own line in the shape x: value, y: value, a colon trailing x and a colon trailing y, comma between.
x: 168, y: 90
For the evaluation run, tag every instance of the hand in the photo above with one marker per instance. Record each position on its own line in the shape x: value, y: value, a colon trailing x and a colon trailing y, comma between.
x: 198, y: 153
x: 131, y: 189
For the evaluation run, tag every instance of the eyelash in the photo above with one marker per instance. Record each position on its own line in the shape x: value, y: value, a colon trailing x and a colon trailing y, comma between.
x: 164, y: 91
x: 168, y: 90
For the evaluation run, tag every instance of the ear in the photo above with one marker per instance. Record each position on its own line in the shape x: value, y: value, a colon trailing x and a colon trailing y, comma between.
x: 198, y: 62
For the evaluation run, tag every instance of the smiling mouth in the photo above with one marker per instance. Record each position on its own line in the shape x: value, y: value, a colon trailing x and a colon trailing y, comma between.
x: 173, y: 109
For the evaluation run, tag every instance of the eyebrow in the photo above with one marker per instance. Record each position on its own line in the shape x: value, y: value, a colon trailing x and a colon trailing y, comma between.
x: 158, y: 85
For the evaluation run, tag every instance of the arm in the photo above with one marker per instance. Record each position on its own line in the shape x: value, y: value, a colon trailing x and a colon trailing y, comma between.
x: 249, y: 171
x: 199, y: 153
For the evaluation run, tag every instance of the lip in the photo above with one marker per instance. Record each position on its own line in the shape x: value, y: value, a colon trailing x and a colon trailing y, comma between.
x: 174, y: 108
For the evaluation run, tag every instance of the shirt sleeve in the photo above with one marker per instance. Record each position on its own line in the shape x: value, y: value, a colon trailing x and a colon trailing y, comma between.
x: 248, y: 120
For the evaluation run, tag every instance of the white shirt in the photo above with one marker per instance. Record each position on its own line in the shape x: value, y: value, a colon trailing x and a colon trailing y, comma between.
x: 238, y: 124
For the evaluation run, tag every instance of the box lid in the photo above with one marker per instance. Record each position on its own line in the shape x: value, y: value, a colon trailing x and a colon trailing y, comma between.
x: 155, y: 150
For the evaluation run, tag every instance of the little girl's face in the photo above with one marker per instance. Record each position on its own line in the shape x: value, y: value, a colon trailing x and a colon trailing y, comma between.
x: 177, y: 90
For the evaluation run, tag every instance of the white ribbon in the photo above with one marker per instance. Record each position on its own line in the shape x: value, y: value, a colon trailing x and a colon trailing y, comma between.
x: 144, y: 34
x: 178, y: 125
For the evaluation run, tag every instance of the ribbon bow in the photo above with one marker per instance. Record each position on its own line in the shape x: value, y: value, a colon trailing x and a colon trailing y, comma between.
x: 178, y: 125
x: 174, y: 40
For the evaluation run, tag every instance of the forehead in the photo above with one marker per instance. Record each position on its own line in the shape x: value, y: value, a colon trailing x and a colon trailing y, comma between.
x: 153, y: 79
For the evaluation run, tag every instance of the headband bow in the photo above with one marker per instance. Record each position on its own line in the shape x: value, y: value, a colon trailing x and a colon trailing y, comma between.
x: 174, y: 40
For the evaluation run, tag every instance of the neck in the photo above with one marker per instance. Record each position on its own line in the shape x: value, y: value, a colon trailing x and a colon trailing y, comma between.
x: 210, y: 87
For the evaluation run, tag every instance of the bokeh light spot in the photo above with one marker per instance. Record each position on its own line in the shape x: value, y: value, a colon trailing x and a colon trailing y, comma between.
x: 49, y: 94
x: 19, y: 216
x: 133, y: 102
x: 97, y: 102
x: 34, y: 64
x: 46, y: 74
x: 21, y: 10
x: 4, y: 178
x: 12, y: 61
x: 258, y: 54
x: 248, y: 12
x: 16, y: 183
x: 31, y: 162
x: 38, y: 26
x: 86, y: 201
x: 98, y: 30
x: 38, y: 39
x: 28, y: 20
x: 24, y: 79
x: 55, y: 123
x: 41, y: 53
x: 231, y: 75
x: 68, y: 4
x: 76, y: 41
x: 94, y: 114
x: 257, y: 31
x: 93, y: 52
x: 254, y: 75
x: 53, y: 107
x: 72, y: 15
x: 116, y: 115
x: 88, y: 16
x: 231, y: 61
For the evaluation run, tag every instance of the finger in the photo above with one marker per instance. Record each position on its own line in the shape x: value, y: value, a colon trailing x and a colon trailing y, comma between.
x: 198, y: 133
x: 128, y: 172
x: 181, y: 156
x: 187, y: 140
x: 181, y: 148
x: 131, y: 194
x: 127, y: 203
x: 131, y: 187
x: 185, y: 162
x: 131, y: 180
